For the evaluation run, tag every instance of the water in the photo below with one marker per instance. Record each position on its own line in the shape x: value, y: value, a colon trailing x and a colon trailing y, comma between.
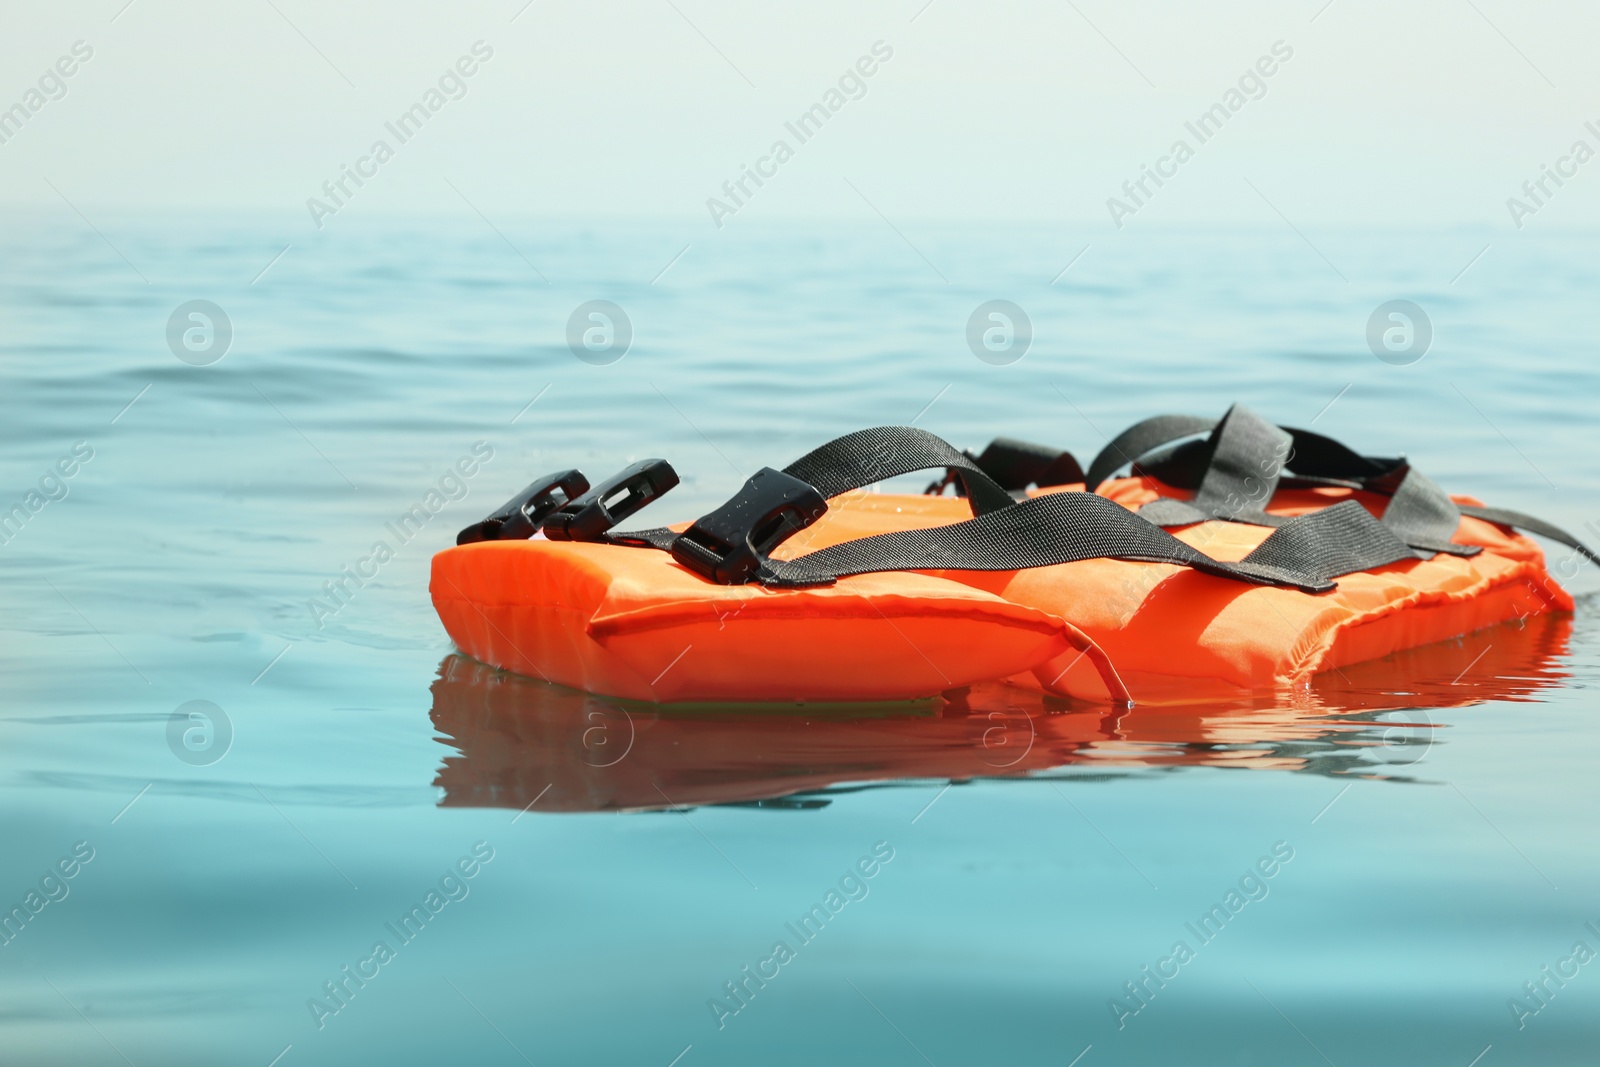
x: 1441, y: 836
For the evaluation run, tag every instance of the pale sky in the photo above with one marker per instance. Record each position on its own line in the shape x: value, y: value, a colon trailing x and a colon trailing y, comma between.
x: 1432, y: 112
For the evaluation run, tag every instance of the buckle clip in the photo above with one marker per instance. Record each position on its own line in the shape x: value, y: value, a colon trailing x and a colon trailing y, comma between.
x: 518, y: 519
x: 728, y: 546
x: 588, y: 517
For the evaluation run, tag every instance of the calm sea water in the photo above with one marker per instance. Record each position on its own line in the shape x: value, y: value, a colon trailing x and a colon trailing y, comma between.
x: 1428, y: 824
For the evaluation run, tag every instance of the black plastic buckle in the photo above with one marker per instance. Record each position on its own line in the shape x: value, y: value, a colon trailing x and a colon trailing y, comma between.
x: 589, y: 516
x: 728, y: 546
x: 519, y: 518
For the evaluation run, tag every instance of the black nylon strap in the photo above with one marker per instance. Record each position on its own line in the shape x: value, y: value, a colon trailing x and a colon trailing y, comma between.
x: 1016, y: 464
x: 1165, y: 511
x: 1337, y: 540
x: 1238, y: 469
x: 1305, y: 554
x: 861, y: 459
x: 655, y: 537
x: 1424, y: 516
x: 1245, y: 456
x: 1038, y: 532
x: 1055, y: 528
x: 868, y: 456
x: 1140, y: 439
x: 1420, y: 512
x: 1518, y: 520
x: 1322, y: 457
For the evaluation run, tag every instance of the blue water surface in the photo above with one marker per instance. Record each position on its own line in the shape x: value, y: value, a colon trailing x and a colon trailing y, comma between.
x: 1428, y: 826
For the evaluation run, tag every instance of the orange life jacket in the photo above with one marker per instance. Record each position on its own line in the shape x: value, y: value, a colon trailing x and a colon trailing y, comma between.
x: 803, y: 588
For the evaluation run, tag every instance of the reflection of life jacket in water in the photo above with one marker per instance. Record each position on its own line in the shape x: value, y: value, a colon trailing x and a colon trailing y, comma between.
x: 1288, y: 555
x: 524, y: 744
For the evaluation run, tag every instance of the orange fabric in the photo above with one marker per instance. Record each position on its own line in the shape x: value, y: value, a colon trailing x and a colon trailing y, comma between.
x: 1175, y: 634
x: 631, y: 623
